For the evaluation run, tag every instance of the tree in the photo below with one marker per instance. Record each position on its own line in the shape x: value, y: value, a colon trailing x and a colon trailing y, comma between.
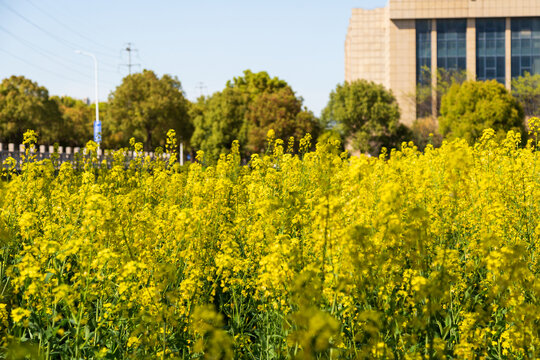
x: 145, y: 106
x: 26, y: 105
x: 218, y: 120
x: 473, y: 106
x: 280, y: 111
x: 526, y: 89
x: 245, y: 110
x: 77, y: 118
x: 424, y: 91
x: 366, y: 114
x: 425, y: 127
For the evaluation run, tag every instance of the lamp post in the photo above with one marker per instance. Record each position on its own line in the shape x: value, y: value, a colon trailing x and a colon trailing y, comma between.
x: 97, y: 123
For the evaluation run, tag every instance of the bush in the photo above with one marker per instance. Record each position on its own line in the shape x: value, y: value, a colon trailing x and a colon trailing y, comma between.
x: 526, y: 89
x: 366, y: 115
x: 470, y: 108
x: 425, y: 131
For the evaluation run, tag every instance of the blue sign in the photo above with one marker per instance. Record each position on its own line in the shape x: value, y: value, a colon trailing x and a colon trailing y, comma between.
x: 97, y: 131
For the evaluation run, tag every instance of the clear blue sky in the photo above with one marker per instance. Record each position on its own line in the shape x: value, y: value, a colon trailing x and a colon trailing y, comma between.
x: 205, y: 41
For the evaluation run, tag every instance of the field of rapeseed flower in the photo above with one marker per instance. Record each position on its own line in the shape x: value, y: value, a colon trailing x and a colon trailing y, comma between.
x: 311, y: 255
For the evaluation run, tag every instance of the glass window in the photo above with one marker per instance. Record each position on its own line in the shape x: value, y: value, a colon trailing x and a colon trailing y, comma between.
x: 452, y: 48
x: 536, y: 65
x: 481, y: 68
x: 501, y: 64
x: 423, y: 51
x: 423, y: 68
x: 490, y: 49
x: 525, y: 46
x: 501, y: 47
x: 481, y: 48
x: 536, y: 47
x: 451, y: 44
x: 516, y: 68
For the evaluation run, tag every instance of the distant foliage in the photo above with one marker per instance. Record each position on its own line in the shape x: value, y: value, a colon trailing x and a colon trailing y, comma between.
x: 526, y: 89
x: 78, y: 119
x: 218, y: 120
x: 426, y: 132
x: 280, y: 111
x: 423, y: 96
x: 248, y: 107
x: 145, y: 106
x: 470, y: 108
x: 367, y: 116
x: 26, y: 105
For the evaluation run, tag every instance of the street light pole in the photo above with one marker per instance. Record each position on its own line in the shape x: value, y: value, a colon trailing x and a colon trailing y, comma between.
x: 97, y: 123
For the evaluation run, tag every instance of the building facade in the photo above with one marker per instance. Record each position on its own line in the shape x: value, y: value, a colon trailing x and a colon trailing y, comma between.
x: 403, y: 45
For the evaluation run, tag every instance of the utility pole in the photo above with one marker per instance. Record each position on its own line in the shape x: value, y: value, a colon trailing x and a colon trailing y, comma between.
x: 201, y: 87
x: 129, y: 48
x: 97, y: 123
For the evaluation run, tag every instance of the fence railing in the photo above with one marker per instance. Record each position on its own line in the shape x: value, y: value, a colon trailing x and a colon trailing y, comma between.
x: 64, y: 154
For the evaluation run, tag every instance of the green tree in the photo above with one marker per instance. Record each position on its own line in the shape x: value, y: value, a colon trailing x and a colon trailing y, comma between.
x: 253, y: 84
x: 26, y: 105
x: 366, y: 114
x: 445, y: 80
x: 145, y: 106
x: 280, y: 111
x: 526, y: 89
x: 78, y: 120
x: 218, y: 120
x: 245, y: 110
x: 473, y: 106
x: 425, y: 128
x: 424, y: 91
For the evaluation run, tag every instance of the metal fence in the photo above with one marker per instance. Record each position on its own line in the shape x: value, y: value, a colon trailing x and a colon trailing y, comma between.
x: 65, y: 154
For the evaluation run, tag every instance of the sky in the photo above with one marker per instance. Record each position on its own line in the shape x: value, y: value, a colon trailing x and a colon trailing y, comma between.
x: 202, y: 42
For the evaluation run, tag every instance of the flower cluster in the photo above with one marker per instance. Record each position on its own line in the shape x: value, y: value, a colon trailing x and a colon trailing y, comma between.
x: 410, y: 255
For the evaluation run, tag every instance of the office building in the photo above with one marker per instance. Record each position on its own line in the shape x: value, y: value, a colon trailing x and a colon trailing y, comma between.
x: 403, y: 44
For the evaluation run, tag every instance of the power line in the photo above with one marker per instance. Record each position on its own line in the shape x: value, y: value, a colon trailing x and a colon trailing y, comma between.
x: 65, y: 42
x: 201, y: 87
x: 68, y: 27
x: 42, y: 51
x: 50, y: 55
x: 40, y: 67
x: 129, y: 49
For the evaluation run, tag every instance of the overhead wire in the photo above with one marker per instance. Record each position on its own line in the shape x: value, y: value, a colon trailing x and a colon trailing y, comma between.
x: 67, y: 43
x: 69, y: 28
x: 40, y: 67
x: 50, y: 71
x: 52, y: 56
x: 43, y: 52
x: 63, y: 41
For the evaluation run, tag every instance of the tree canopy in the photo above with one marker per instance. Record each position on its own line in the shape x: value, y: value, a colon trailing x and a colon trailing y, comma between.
x: 424, y: 92
x: 26, y: 105
x: 526, y: 89
x: 366, y: 115
x: 78, y: 118
x: 145, y: 106
x: 280, y: 111
x: 245, y: 110
x: 218, y: 120
x: 469, y: 108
